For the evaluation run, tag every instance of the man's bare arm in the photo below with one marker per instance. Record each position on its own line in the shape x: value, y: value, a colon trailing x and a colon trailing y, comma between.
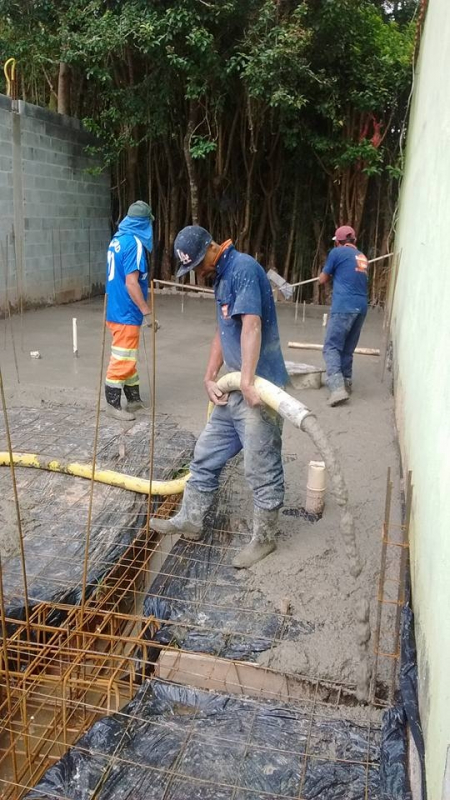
x: 215, y: 362
x: 250, y: 352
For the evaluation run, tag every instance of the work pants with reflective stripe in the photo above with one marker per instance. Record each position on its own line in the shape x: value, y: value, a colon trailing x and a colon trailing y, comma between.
x: 122, y: 369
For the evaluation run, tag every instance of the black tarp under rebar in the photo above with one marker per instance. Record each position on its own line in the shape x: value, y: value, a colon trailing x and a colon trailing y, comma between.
x: 54, y: 507
x: 206, y: 603
x: 175, y: 743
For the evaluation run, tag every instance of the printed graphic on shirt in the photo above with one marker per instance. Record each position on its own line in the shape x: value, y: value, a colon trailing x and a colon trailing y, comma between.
x: 361, y: 263
x: 224, y: 309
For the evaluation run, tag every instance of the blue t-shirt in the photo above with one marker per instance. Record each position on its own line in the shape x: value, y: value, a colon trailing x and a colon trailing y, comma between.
x: 348, y: 267
x: 126, y: 254
x: 242, y: 287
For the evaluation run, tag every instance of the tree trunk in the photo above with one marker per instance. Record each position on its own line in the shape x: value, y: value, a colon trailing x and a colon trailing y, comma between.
x: 131, y: 162
x: 64, y: 89
x: 193, y: 187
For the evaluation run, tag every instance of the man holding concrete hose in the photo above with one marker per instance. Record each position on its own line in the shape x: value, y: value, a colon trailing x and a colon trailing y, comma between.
x: 127, y: 308
x: 247, y: 340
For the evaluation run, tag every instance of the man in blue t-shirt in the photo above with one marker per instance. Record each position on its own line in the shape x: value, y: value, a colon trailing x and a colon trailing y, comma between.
x: 127, y: 307
x: 347, y: 266
x: 246, y: 339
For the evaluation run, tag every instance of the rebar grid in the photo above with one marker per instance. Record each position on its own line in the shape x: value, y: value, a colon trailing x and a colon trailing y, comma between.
x: 112, y: 679
x: 58, y: 671
x: 57, y: 679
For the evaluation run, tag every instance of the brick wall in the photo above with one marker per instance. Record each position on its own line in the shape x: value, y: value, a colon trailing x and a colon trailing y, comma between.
x: 54, y: 214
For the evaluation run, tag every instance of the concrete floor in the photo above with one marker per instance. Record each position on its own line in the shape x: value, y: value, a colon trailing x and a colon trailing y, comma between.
x: 309, y: 568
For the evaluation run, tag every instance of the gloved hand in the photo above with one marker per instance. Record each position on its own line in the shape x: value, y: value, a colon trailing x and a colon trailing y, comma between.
x: 150, y: 323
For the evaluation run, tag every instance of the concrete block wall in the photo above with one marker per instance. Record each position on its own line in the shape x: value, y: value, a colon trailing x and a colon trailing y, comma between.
x: 54, y: 213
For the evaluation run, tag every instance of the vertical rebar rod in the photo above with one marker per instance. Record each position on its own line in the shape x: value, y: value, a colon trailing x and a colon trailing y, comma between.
x: 53, y: 264
x: 17, y: 504
x: 94, y: 460
x: 6, y: 672
x: 152, y: 376
x: 401, y: 584
x: 4, y: 252
x: 384, y: 536
x: 89, y: 263
x: 5, y: 258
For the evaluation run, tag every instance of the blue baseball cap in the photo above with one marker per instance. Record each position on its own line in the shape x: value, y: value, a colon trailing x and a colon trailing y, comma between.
x: 190, y: 247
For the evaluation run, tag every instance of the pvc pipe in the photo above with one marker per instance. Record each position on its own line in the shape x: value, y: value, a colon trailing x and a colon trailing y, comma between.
x: 316, y: 475
x: 315, y: 488
x: 75, y: 337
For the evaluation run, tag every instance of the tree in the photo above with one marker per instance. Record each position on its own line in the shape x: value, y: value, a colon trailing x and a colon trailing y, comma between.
x: 267, y: 120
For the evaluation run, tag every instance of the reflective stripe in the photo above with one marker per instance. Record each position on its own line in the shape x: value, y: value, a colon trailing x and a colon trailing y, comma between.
x: 122, y: 358
x: 133, y: 381
x: 126, y: 351
x: 114, y: 384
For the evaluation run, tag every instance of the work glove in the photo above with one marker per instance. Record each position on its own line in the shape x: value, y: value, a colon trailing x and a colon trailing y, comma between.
x: 149, y: 322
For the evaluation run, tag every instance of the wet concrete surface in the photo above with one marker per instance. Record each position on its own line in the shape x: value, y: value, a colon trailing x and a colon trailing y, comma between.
x: 309, y: 570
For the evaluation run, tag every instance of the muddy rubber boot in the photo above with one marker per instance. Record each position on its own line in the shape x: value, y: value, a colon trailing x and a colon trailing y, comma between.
x: 338, y: 396
x: 134, y: 402
x: 265, y: 525
x: 113, y: 409
x: 348, y: 385
x: 189, y: 520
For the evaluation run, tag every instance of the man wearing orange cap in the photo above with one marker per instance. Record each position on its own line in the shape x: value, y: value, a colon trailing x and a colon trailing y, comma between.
x: 347, y: 266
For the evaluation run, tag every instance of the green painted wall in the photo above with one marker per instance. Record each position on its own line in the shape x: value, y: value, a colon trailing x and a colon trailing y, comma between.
x: 421, y: 336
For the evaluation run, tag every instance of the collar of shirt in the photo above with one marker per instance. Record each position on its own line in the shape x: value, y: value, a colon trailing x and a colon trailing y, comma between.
x: 224, y: 261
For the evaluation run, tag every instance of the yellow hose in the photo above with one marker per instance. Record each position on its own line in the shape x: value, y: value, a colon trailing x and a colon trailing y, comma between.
x: 271, y: 395
x: 140, y: 485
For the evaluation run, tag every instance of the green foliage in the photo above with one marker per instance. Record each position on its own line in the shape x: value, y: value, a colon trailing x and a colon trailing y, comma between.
x: 273, y: 92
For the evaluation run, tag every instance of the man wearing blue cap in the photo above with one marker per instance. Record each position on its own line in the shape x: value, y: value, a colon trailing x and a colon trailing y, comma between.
x: 247, y: 340
x: 127, y: 307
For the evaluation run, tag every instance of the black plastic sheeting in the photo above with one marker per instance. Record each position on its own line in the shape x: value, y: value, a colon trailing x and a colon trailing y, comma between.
x: 205, y: 602
x: 175, y: 743
x: 394, y: 750
x: 54, y: 507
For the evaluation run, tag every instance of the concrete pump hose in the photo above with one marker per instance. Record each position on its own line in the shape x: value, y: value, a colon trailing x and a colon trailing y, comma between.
x: 271, y: 395
x: 279, y: 400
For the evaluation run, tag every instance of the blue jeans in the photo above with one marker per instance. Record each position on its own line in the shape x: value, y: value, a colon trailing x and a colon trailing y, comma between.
x: 343, y: 334
x: 230, y: 429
